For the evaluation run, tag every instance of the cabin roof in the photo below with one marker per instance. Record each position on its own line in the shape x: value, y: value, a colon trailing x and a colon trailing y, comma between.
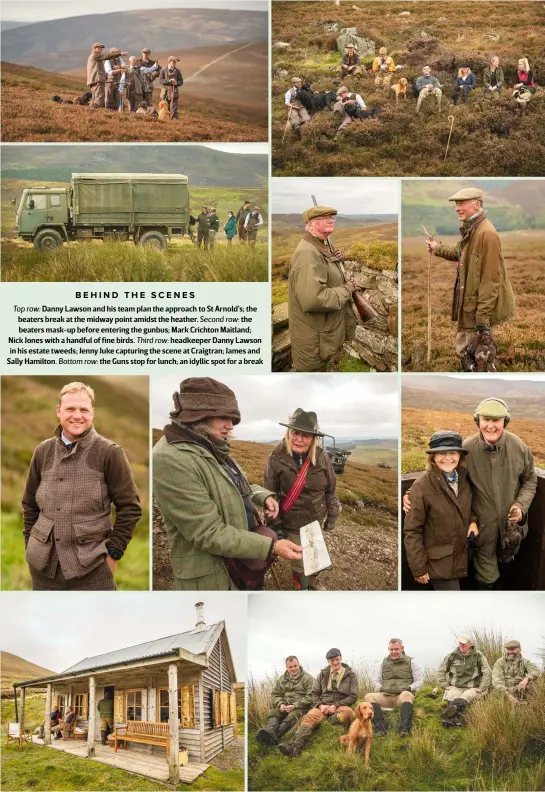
x: 194, y: 641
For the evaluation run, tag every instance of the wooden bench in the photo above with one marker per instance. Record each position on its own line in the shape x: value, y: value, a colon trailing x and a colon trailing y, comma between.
x: 146, y: 732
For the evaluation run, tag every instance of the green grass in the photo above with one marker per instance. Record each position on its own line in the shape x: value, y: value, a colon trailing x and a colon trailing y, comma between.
x: 352, y: 364
x: 34, y: 709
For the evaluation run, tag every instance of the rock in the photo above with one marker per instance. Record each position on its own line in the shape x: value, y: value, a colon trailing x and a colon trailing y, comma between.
x: 280, y: 317
x: 281, y: 352
x: 364, y: 281
x: 393, y: 320
x: 280, y: 45
x: 392, y: 274
x: 405, y: 13
x: 442, y: 19
x: 424, y: 35
x: 492, y: 36
x: 352, y: 36
x: 388, y: 290
x: 280, y: 74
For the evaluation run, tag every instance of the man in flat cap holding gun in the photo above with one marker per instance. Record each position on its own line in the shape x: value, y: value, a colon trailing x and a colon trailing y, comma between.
x: 483, y: 296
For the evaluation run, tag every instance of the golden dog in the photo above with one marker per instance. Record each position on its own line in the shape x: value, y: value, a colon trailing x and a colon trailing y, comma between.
x: 164, y: 112
x: 400, y: 88
x: 361, y: 729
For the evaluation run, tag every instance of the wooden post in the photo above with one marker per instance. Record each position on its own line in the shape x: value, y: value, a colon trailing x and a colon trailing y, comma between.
x: 173, y: 726
x: 201, y: 716
x: 221, y: 688
x: 47, y: 724
x: 92, y: 719
x: 21, y: 715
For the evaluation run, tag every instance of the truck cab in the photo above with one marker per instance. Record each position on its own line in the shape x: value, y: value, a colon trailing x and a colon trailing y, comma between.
x: 43, y: 215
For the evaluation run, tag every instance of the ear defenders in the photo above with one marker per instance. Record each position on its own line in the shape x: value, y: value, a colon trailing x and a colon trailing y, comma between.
x: 506, y: 419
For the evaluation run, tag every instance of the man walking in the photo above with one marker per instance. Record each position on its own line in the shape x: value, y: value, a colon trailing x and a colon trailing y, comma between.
x: 203, y: 228
x: 291, y: 698
x: 335, y: 691
x: 483, y: 296
x: 251, y: 225
x: 171, y: 80
x: 396, y: 682
x: 465, y: 676
x: 75, y: 478
x: 106, y: 711
x: 96, y: 73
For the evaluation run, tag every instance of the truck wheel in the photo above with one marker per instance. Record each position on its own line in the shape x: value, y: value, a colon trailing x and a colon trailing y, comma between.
x: 153, y: 239
x: 47, y: 239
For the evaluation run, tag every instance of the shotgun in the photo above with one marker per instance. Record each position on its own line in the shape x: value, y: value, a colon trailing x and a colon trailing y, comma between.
x: 363, y: 306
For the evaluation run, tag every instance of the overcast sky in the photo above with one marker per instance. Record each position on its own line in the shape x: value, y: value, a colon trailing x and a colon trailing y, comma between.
x: 360, y: 624
x: 346, y: 405
x: 42, y: 10
x: 56, y: 631
x: 347, y: 196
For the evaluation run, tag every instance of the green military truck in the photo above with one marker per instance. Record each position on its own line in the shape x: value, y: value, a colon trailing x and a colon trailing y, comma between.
x: 148, y: 208
x: 338, y: 455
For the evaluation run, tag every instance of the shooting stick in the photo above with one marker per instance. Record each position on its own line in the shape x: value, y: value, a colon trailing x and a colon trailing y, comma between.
x: 287, y: 124
x: 451, y: 119
x: 430, y: 237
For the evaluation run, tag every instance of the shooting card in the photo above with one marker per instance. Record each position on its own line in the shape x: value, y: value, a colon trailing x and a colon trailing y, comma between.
x: 315, y: 555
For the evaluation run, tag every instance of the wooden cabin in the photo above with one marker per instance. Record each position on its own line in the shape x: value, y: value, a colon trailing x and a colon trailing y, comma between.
x: 184, y: 680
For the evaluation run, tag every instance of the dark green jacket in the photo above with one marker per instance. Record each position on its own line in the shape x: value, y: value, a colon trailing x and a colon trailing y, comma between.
x: 106, y: 708
x: 295, y: 690
x: 469, y: 671
x: 396, y: 675
x: 346, y: 693
x: 487, y: 77
x: 214, y: 222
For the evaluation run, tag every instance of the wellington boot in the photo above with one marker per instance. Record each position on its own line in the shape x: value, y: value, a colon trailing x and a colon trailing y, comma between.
x: 269, y: 734
x: 103, y: 739
x: 380, y: 723
x: 406, y: 719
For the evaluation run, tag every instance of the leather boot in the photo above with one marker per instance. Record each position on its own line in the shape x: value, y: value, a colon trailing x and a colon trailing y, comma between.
x: 269, y: 734
x: 460, y: 705
x: 103, y: 739
x: 380, y: 724
x: 302, y: 736
x: 406, y: 719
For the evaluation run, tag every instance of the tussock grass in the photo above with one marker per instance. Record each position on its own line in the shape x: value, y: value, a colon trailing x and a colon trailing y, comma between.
x: 377, y: 255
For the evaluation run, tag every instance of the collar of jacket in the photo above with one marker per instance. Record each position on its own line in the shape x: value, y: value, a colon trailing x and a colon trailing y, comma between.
x: 492, y: 449
x: 82, y: 440
x: 469, y: 225
x: 319, y: 244
x: 443, y: 483
x: 286, y: 458
x: 328, y: 669
x: 298, y: 675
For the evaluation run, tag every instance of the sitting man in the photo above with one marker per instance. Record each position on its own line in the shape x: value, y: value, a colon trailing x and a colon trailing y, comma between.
x: 396, y: 682
x: 351, y: 107
x: 512, y: 673
x: 383, y: 68
x: 465, y: 676
x: 297, y: 114
x: 291, y: 699
x: 334, y: 692
x: 350, y: 62
x: 427, y: 85
x: 66, y: 726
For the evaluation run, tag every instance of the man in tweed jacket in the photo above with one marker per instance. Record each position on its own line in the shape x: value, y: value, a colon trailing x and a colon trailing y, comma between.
x: 74, y: 478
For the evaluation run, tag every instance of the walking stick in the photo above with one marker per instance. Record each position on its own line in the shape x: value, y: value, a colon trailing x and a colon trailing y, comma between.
x: 430, y: 237
x: 451, y: 119
x: 287, y: 124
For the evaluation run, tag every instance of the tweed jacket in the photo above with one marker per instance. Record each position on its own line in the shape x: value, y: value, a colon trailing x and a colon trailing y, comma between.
x: 319, y: 305
x: 204, y: 514
x: 96, y: 71
x: 507, y: 675
x: 67, y: 504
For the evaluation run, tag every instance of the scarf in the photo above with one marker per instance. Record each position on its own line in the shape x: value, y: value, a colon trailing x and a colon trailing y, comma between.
x: 335, y: 679
x: 452, y: 480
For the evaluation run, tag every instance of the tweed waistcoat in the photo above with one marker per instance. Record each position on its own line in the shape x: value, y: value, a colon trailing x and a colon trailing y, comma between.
x: 115, y: 63
x: 396, y: 674
x: 75, y: 507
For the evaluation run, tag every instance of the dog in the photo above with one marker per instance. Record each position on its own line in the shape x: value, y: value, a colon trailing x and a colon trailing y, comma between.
x: 314, y: 101
x: 142, y: 109
x: 164, y: 111
x: 360, y: 732
x: 400, y: 88
x: 84, y: 99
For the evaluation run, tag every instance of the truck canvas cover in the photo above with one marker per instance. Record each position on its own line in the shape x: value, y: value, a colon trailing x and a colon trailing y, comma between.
x: 129, y: 199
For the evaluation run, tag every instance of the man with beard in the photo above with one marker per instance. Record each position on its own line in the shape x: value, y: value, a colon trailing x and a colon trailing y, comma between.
x: 512, y: 674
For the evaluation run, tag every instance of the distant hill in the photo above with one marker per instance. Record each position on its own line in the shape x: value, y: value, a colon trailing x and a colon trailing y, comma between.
x: 342, y: 221
x: 7, y: 25
x: 509, y: 205
x: 204, y: 166
x: 17, y: 669
x: 62, y: 44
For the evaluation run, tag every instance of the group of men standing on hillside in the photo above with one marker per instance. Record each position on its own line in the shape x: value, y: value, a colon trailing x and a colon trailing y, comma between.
x: 245, y: 224
x: 111, y: 79
x: 465, y: 675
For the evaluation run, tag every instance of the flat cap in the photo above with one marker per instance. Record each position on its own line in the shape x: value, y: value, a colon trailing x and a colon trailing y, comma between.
x: 146, y: 49
x: 351, y: 45
x: 317, y: 211
x: 512, y: 645
x: 342, y: 89
x: 463, y: 639
x: 492, y: 408
x: 333, y: 653
x: 96, y: 44
x: 172, y: 58
x: 296, y: 80
x: 211, y: 208
x: 383, y: 51
x: 470, y: 193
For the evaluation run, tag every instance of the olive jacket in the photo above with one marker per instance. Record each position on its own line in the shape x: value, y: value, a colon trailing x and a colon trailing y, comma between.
x: 318, y: 499
x: 435, y: 528
x: 507, y: 675
x: 295, y: 690
x: 485, y: 295
x: 346, y: 693
x: 500, y: 476
x: 320, y: 311
x: 465, y: 671
x: 204, y: 515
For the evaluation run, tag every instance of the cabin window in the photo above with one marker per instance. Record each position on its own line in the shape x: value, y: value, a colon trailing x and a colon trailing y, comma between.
x: 61, y: 705
x: 186, y: 706
x: 223, y: 708
x: 54, y: 200
x: 36, y: 202
x: 80, y: 705
x: 135, y: 709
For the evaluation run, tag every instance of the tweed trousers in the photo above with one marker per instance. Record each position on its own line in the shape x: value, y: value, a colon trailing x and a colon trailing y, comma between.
x: 98, y: 579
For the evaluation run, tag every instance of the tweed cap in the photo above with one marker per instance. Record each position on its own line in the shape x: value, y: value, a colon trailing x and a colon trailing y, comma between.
x: 512, y: 645
x: 172, y: 58
x: 333, y: 653
x: 304, y: 422
x: 96, y: 44
x: 211, y: 208
x: 468, y: 194
x: 445, y: 441
x: 352, y: 46
x: 492, y: 408
x: 463, y: 639
x: 318, y: 211
x: 203, y: 397
x: 383, y: 51
x: 296, y: 80
x: 146, y: 49
x: 342, y: 89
